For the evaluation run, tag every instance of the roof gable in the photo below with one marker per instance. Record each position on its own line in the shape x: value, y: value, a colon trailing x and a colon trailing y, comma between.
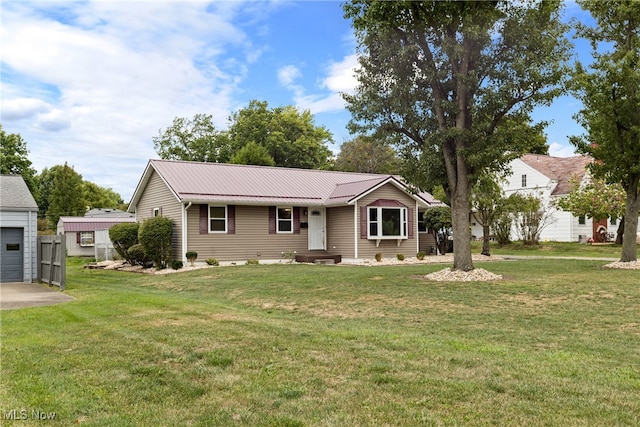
x: 227, y: 183
x: 15, y: 195
x: 559, y: 169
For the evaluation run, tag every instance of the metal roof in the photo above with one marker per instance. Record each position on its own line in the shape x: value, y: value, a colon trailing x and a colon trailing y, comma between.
x: 15, y: 195
x: 80, y: 223
x: 246, y: 184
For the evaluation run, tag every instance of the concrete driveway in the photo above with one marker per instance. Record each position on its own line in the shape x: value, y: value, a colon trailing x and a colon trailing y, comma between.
x: 21, y: 295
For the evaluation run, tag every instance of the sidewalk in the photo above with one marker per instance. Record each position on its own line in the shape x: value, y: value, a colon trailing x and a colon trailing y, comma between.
x: 21, y: 295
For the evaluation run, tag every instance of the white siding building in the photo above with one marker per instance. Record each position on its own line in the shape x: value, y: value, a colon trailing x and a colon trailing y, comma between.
x: 18, y: 231
x: 548, y: 178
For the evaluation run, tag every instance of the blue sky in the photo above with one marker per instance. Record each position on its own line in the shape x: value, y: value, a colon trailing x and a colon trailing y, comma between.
x: 91, y: 83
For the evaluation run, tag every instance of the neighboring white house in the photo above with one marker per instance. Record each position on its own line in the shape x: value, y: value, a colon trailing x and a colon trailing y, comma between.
x: 548, y: 178
x: 18, y: 231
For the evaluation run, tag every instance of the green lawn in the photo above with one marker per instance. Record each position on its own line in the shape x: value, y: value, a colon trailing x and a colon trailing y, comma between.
x: 555, y: 343
x: 565, y: 249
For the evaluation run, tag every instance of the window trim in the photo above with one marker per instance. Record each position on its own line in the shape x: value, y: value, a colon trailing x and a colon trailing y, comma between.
x: 403, y: 226
x: 289, y: 220
x: 86, y: 245
x: 225, y: 219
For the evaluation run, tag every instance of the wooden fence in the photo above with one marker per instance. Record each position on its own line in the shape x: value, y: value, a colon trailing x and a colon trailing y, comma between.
x: 52, y: 256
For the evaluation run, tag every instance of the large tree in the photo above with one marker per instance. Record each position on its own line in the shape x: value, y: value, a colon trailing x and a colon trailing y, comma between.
x: 14, y: 159
x: 195, y: 139
x: 610, y: 92
x: 444, y: 77
x: 368, y: 155
x: 290, y: 136
x: 65, y: 196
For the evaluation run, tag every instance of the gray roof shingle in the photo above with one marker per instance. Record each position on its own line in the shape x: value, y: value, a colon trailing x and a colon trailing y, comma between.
x: 15, y: 195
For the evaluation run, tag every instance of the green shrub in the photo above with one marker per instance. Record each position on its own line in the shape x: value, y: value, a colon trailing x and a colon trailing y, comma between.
x: 400, y: 257
x: 191, y: 256
x: 137, y: 256
x: 253, y: 262
x: 379, y: 256
x: 176, y: 264
x: 123, y: 236
x: 212, y: 261
x: 420, y: 255
x: 155, y: 236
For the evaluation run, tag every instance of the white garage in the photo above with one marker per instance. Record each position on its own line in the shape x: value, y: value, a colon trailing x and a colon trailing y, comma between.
x: 18, y: 231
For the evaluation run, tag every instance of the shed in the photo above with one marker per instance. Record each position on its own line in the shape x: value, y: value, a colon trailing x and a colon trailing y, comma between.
x: 80, y: 232
x: 18, y: 231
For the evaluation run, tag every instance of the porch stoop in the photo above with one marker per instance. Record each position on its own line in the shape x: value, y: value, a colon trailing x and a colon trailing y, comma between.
x: 319, y: 258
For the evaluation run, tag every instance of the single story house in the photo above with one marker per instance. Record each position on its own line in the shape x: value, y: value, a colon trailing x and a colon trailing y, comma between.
x: 18, y: 231
x: 548, y: 178
x: 80, y: 232
x: 241, y: 212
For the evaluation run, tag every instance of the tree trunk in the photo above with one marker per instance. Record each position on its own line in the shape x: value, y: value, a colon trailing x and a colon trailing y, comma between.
x: 461, y: 226
x: 620, y: 232
x: 485, y: 240
x: 629, y: 245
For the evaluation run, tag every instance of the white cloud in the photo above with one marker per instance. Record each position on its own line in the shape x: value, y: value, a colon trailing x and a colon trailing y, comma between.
x: 107, y: 76
x: 22, y: 108
x: 288, y: 74
x: 340, y: 78
x: 561, y: 150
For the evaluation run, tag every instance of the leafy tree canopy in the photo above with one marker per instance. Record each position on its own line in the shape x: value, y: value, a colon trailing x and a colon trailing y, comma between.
x: 608, y: 89
x: 454, y: 83
x: 14, y: 159
x: 289, y: 135
x: 194, y: 140
x: 368, y: 155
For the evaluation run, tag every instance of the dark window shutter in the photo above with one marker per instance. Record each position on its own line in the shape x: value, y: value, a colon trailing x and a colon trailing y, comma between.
x: 231, y: 219
x: 410, y: 223
x: 204, y: 219
x: 272, y: 220
x: 78, y: 237
x: 296, y: 220
x: 363, y: 222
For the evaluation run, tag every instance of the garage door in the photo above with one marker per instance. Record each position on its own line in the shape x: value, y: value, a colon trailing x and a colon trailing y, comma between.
x: 11, y: 249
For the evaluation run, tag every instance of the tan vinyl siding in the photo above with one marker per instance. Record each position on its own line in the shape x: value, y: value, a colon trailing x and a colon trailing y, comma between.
x: 388, y: 248
x: 340, y: 231
x: 250, y: 241
x: 157, y: 195
x: 427, y: 242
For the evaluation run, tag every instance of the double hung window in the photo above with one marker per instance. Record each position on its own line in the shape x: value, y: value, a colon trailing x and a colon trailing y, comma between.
x: 284, y: 220
x: 217, y: 219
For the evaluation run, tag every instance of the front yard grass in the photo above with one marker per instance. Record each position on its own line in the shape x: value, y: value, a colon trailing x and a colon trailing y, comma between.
x: 555, y: 343
x: 557, y: 249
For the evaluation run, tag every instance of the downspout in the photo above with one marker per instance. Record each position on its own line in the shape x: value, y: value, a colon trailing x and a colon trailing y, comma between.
x: 416, y: 232
x: 355, y: 228
x: 184, y: 232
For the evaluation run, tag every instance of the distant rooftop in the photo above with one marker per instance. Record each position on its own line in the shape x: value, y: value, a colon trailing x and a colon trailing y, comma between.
x: 108, y: 213
x: 560, y: 169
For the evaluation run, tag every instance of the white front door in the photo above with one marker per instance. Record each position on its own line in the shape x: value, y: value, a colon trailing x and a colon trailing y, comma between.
x: 316, y: 229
